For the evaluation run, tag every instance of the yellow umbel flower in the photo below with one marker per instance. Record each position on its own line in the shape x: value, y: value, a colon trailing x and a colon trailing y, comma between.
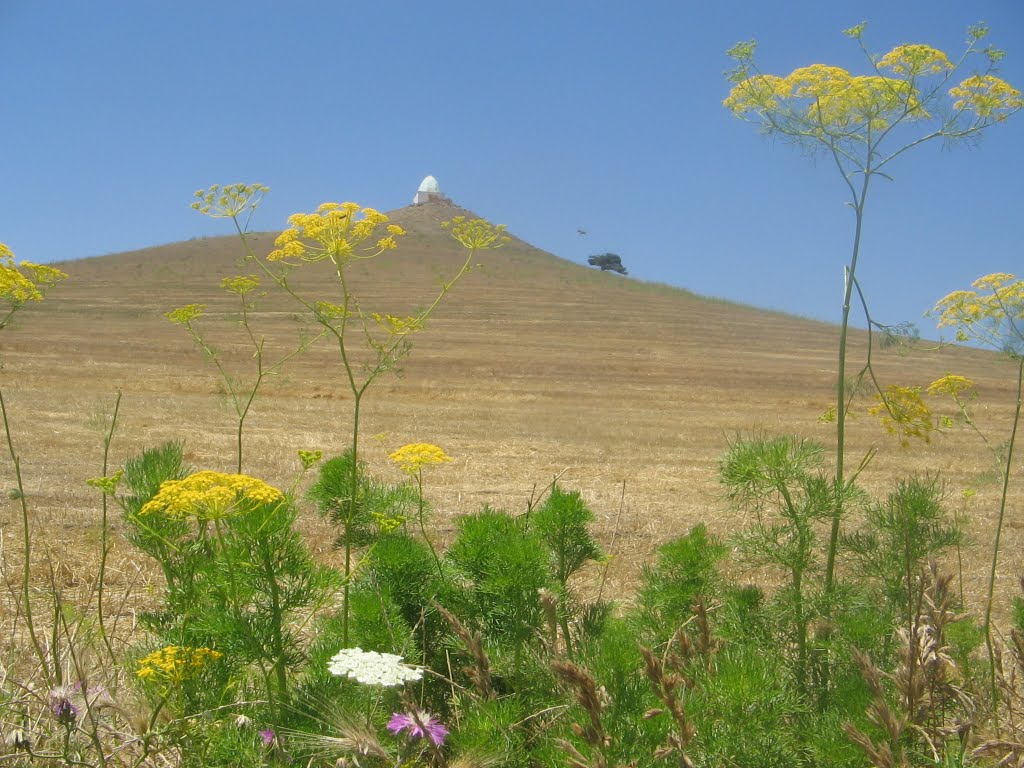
x: 229, y: 201
x: 904, y: 413
x: 106, y: 484
x: 309, y: 458
x: 398, y: 326
x: 476, y: 234
x: 240, y: 284
x: 915, y: 60
x: 175, y: 663
x: 759, y: 93
x: 988, y: 96
x: 997, y: 303
x: 209, y: 495
x: 16, y: 287
x: 335, y: 232
x: 952, y: 385
x: 186, y: 314
x: 410, y: 458
x: 838, y: 100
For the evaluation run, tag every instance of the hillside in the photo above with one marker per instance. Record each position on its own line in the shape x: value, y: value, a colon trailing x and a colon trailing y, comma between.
x: 534, y: 366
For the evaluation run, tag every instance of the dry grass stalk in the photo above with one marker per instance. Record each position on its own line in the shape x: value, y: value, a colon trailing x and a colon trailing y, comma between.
x: 1005, y: 741
x: 667, y: 687
x: 936, y: 708
x: 591, y: 701
x: 890, y: 754
x: 549, y: 607
x: 479, y: 672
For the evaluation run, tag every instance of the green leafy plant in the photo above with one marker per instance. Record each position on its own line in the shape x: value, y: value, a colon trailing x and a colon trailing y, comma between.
x: 782, y: 475
x: 239, y: 579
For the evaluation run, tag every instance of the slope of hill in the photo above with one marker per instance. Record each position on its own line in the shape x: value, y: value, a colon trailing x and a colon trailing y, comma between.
x: 533, y: 367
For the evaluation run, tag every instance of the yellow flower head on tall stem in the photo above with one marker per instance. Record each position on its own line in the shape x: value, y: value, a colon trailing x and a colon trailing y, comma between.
x: 186, y: 314
x: 411, y: 458
x: 476, y: 234
x: 229, y: 201
x: 952, y: 385
x: 339, y: 232
x: 209, y: 495
x: 20, y: 283
x: 760, y: 93
x: 240, y: 284
x: 916, y: 59
x: 987, y: 96
x: 992, y: 314
x: 837, y: 100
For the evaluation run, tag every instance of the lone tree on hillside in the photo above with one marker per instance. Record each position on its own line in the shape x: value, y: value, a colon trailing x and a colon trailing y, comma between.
x: 608, y: 261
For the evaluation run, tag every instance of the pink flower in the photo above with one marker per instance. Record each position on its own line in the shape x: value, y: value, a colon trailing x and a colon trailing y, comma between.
x: 419, y: 725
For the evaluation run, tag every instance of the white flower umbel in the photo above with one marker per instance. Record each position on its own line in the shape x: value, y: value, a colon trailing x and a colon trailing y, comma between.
x: 372, y: 668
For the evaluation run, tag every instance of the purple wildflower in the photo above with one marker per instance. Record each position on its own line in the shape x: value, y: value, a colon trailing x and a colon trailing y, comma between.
x: 268, y: 736
x: 61, y: 705
x: 419, y: 725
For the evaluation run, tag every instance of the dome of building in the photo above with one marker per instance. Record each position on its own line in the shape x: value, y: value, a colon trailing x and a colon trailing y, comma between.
x: 429, y: 184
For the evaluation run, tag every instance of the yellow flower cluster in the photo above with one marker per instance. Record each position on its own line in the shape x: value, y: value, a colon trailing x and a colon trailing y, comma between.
x: 309, y: 458
x: 325, y: 310
x: 978, y: 314
x: 229, y: 201
x: 398, y: 326
x: 18, y: 287
x: 410, y: 458
x: 759, y: 93
x: 987, y: 96
x: 240, y: 284
x: 388, y: 523
x: 952, y: 385
x: 904, y: 413
x: 209, y: 495
x: 835, y: 99
x: 186, y: 314
x: 175, y: 663
x: 106, y: 484
x: 476, y: 234
x: 913, y: 60
x: 335, y: 232
x: 830, y: 98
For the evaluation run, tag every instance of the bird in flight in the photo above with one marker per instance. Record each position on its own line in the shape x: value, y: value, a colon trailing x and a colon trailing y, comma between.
x: 581, y: 232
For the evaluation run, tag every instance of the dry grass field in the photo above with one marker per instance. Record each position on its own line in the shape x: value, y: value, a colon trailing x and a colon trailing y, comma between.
x: 533, y: 367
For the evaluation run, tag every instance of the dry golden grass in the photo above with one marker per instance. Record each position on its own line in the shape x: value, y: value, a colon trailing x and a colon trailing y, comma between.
x: 534, y: 367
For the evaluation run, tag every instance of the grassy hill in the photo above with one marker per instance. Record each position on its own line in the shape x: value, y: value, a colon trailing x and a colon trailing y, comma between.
x: 533, y: 367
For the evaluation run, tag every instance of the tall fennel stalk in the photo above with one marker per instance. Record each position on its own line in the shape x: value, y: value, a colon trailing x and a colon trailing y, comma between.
x: 343, y: 234
x: 20, y: 284
x: 991, y: 315
x: 863, y: 123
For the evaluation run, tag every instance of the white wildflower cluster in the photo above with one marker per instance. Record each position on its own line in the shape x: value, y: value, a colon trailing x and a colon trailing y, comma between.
x: 372, y: 668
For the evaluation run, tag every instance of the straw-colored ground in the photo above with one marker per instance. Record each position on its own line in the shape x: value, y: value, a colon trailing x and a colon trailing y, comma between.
x: 533, y: 367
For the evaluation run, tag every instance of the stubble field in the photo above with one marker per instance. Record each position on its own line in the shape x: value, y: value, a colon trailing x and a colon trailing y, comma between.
x: 533, y: 368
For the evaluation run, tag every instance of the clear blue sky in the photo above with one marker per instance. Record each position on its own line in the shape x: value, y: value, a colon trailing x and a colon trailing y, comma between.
x: 547, y: 116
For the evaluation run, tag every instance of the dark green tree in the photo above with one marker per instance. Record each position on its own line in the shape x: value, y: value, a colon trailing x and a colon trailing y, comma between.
x: 608, y: 261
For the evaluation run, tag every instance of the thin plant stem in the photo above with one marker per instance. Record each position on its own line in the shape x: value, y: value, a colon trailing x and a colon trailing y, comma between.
x: 851, y: 274
x: 105, y: 532
x: 1008, y: 466
x: 423, y: 526
x: 27, y: 543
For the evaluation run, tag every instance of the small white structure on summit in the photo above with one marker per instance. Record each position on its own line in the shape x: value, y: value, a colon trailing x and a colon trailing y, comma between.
x: 429, y: 190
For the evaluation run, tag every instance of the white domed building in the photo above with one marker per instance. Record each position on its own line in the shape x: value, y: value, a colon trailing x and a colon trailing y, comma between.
x: 429, y: 191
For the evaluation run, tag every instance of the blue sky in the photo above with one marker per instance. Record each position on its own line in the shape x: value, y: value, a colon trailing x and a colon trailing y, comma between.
x: 547, y: 116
